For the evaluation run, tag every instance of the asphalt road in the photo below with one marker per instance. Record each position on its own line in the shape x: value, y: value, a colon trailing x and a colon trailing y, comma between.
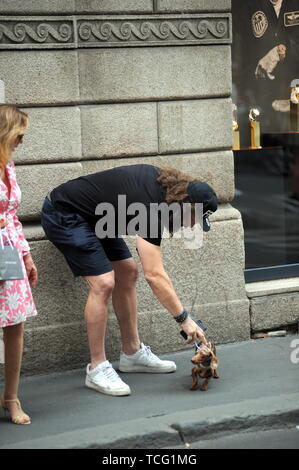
x: 287, y: 438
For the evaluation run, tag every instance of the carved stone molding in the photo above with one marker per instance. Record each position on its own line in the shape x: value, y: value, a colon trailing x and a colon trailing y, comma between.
x: 113, y: 31
x: 37, y: 32
x: 154, y: 30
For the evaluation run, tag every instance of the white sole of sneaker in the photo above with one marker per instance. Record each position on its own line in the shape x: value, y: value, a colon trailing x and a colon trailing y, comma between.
x: 151, y: 370
x: 97, y: 388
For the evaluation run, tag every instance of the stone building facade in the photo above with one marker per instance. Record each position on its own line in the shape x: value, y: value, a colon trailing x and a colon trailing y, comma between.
x: 114, y: 82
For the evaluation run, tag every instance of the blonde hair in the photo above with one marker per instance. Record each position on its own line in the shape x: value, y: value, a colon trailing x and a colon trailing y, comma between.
x: 13, y: 122
x: 174, y: 182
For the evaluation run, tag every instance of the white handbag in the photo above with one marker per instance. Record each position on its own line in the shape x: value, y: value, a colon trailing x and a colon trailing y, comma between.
x: 10, y: 264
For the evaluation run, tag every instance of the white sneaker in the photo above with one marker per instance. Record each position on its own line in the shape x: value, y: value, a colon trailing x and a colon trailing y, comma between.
x: 145, y: 361
x: 104, y: 379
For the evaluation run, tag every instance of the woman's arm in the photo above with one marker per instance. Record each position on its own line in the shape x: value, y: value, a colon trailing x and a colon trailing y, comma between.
x: 27, y: 258
x: 19, y: 228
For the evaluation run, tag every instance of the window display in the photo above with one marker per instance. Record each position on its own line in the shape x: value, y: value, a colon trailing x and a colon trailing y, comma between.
x: 265, y: 61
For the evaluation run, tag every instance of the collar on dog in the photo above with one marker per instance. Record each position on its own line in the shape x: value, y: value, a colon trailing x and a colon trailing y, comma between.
x: 198, y: 347
x: 201, y: 366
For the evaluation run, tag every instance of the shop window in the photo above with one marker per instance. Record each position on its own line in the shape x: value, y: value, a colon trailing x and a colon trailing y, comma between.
x: 265, y: 61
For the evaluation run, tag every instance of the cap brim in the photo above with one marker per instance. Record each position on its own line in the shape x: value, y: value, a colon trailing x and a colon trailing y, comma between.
x: 206, y: 224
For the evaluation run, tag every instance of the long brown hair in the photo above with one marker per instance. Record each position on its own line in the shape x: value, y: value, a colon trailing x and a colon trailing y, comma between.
x: 174, y: 183
x: 13, y: 122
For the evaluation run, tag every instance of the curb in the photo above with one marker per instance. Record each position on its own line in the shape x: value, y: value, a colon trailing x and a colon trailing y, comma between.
x: 177, y: 428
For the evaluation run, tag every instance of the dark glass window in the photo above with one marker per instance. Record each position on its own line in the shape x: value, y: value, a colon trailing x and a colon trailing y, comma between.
x: 265, y: 60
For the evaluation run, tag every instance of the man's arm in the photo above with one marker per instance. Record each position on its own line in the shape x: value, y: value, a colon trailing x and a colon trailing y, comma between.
x: 162, y: 287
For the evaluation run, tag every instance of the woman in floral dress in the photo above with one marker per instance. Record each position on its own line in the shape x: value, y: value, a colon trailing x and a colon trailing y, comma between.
x: 16, y: 302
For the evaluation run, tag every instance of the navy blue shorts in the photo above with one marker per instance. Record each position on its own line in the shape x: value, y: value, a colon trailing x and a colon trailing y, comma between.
x: 85, y: 253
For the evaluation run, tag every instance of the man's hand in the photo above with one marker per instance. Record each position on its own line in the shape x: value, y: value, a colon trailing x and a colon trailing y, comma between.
x: 30, y: 270
x: 193, y: 330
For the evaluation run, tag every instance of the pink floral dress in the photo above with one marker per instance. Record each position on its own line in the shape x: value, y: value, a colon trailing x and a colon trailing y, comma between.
x: 16, y: 302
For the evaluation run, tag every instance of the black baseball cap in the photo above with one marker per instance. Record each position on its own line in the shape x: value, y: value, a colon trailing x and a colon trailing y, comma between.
x: 201, y: 192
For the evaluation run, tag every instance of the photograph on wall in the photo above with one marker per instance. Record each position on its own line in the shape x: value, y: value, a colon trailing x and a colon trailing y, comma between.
x: 265, y: 115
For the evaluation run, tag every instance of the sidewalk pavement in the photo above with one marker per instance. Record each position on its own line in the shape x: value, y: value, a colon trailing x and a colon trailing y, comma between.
x: 258, y: 389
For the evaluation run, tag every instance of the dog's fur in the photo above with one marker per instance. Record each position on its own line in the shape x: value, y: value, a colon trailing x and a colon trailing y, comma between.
x: 206, y: 363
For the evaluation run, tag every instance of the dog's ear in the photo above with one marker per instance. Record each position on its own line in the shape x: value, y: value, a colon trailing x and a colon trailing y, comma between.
x: 196, y: 358
x: 208, y: 355
x: 214, y: 362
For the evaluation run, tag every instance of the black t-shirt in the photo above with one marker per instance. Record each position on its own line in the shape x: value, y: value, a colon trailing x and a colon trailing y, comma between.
x: 134, y: 183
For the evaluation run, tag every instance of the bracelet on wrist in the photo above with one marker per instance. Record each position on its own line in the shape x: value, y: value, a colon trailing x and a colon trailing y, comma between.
x: 181, y: 317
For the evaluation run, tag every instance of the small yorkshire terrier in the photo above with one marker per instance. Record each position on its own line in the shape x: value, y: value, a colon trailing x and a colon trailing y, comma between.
x: 206, y: 363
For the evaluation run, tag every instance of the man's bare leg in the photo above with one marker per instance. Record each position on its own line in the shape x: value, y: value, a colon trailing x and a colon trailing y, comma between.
x: 96, y: 311
x: 124, y: 299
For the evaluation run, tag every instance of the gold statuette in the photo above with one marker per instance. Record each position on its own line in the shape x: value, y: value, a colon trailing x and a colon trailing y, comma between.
x: 236, y: 132
x: 255, y: 130
x: 294, y: 108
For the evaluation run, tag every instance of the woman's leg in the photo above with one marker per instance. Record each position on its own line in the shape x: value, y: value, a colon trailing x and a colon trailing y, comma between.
x: 124, y: 301
x: 100, y: 289
x: 13, y: 338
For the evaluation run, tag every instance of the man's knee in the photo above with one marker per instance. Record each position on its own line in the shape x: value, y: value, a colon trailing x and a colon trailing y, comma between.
x: 128, y: 273
x: 102, y: 285
x: 133, y: 271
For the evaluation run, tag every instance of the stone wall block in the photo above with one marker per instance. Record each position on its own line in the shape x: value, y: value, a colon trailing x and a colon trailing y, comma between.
x: 274, y: 311
x: 194, y: 125
x: 119, y: 130
x: 183, y: 6
x: 33, y: 232
x: 58, y: 295
x: 55, y: 348
x: 21, y: 7
x: 154, y: 73
x: 40, y: 77
x: 227, y: 322
x: 36, y: 181
x: 75, y: 6
x: 114, y: 6
x: 54, y: 135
